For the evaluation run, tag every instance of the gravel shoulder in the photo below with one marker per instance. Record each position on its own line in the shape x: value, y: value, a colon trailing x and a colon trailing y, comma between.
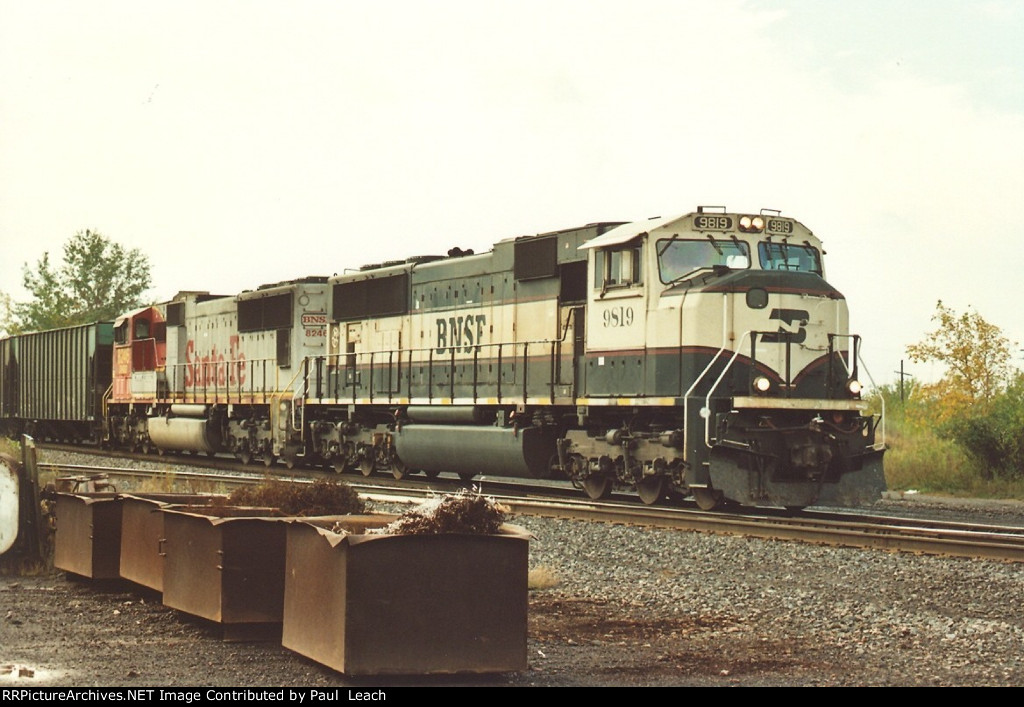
x: 629, y: 607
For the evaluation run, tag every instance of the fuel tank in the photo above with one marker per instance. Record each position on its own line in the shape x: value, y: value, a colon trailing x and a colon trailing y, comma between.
x: 467, y: 449
x: 184, y: 433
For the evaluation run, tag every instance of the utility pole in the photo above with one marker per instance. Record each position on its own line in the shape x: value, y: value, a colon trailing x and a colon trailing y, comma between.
x: 902, y: 375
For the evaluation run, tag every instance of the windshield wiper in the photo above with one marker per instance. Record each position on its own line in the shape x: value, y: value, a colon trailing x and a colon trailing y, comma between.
x: 696, y: 271
x: 667, y: 244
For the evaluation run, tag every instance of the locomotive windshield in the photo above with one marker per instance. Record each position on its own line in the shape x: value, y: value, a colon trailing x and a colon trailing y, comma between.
x: 678, y: 258
x: 786, y: 256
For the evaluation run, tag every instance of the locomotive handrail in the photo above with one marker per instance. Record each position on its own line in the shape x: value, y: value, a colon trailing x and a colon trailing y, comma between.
x: 301, y: 423
x: 859, y: 359
x: 878, y: 445
x: 209, y: 371
x: 104, y: 403
x: 707, y: 399
x: 689, y: 392
x: 732, y: 359
x: 372, y: 362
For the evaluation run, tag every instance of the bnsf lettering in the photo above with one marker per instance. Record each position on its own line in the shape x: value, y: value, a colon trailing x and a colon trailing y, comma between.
x: 213, y: 370
x: 618, y: 317
x: 460, y: 333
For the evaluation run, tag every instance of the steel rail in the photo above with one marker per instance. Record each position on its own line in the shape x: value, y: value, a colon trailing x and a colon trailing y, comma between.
x: 869, y: 532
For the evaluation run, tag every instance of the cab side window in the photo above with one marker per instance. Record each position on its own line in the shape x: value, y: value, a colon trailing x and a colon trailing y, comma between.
x: 618, y: 267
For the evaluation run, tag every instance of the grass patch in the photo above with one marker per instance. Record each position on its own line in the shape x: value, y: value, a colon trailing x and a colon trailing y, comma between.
x: 10, y: 448
x: 541, y: 578
x: 918, y: 459
x: 12, y: 565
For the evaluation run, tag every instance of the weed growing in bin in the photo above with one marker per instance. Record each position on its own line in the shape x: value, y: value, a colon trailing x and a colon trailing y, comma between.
x: 462, y: 512
x: 323, y: 497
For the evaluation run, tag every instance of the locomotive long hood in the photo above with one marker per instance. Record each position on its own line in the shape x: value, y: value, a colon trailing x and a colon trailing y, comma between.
x: 800, y: 283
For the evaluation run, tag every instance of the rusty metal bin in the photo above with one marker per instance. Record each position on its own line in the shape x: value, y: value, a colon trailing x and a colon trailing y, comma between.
x: 87, y: 541
x: 142, y: 534
x: 406, y: 604
x: 227, y: 565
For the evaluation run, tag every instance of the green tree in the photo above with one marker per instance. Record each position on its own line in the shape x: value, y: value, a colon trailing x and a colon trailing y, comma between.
x: 98, y: 279
x: 993, y: 436
x: 975, y: 353
x: 6, y: 314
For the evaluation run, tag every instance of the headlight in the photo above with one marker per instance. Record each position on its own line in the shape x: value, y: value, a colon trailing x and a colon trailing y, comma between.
x: 854, y: 387
x: 750, y: 224
x: 762, y: 384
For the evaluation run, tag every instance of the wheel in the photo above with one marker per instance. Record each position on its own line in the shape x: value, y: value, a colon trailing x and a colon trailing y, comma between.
x: 268, y: 460
x: 398, y: 469
x: 244, y: 457
x: 651, y: 490
x: 289, y: 463
x: 597, y: 487
x: 432, y: 474
x: 366, y: 467
x: 707, y: 499
x: 339, y: 465
x: 467, y: 475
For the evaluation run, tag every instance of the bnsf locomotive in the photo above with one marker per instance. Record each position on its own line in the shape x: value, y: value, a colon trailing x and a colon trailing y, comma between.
x: 702, y: 354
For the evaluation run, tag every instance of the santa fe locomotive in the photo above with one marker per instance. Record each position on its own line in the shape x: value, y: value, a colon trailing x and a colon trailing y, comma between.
x: 702, y: 354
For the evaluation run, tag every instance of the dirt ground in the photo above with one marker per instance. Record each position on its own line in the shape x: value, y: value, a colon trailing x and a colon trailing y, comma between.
x: 58, y: 630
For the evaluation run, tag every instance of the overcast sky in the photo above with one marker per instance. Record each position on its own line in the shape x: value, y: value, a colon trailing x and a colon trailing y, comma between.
x: 241, y: 143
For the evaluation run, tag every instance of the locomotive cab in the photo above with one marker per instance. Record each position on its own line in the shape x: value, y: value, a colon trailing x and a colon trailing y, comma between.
x: 140, y: 353
x: 719, y: 335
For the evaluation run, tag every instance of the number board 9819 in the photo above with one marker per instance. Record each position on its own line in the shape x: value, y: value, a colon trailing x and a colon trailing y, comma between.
x: 779, y: 225
x: 712, y: 222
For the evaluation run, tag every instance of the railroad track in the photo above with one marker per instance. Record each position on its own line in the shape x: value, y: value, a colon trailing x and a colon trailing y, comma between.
x: 928, y: 537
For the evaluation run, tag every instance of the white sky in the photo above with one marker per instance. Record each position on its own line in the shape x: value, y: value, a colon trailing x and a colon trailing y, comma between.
x: 240, y: 143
